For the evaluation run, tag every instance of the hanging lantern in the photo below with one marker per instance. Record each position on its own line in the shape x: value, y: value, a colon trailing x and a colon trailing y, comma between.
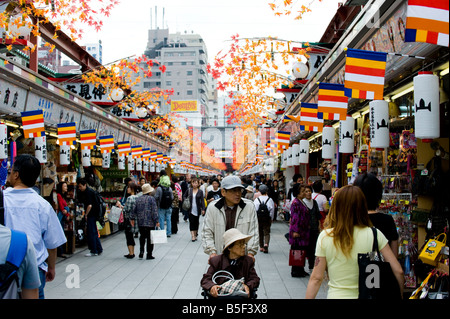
x: 304, y: 152
x: 138, y: 164
x: 152, y: 166
x: 328, y: 143
x: 64, y: 155
x: 86, y: 157
x: 289, y: 157
x: 284, y: 160
x: 379, y: 124
x: 158, y: 167
x: 121, y: 162
x: 347, y: 136
x: 40, y: 147
x: 296, y: 154
x: 117, y: 94
x: 106, y: 159
x: 145, y: 165
x: 3, y: 141
x: 426, y: 101
x: 300, y: 70
x: 130, y: 163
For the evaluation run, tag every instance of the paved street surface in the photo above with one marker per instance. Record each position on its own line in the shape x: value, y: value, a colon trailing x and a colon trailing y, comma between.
x: 175, y: 273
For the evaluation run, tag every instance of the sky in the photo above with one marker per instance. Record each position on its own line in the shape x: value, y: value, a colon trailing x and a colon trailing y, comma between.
x: 124, y: 32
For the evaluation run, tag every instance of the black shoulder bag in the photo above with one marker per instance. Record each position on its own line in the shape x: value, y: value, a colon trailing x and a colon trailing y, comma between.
x: 376, y: 279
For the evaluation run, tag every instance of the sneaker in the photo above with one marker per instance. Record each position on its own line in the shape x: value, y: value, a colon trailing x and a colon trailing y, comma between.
x: 90, y: 255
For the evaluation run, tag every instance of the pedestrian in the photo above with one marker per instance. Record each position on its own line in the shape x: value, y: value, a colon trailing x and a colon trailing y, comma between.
x: 128, y: 228
x: 249, y: 194
x: 296, y: 179
x: 299, y: 227
x: 347, y: 233
x: 233, y: 259
x: 215, y: 192
x: 145, y: 212
x: 127, y: 181
x: 231, y: 211
x: 314, y: 224
x: 373, y: 192
x: 91, y: 213
x: 142, y: 181
x: 27, y: 274
x: 184, y: 190
x: 265, y: 217
x: 164, y: 199
x: 321, y: 200
x: 175, y: 207
x: 63, y: 212
x: 257, y: 193
x: 28, y: 212
x: 197, y: 201
x: 274, y: 193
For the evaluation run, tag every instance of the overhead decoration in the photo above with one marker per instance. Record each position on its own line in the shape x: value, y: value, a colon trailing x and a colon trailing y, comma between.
x: 427, y: 21
x: 283, y: 138
x: 145, y: 159
x: 289, y: 156
x: 304, y: 152
x: 328, y: 143
x: 88, y: 140
x: 426, y: 102
x: 40, y: 147
x: 291, y: 118
x: 379, y: 124
x: 364, y: 74
x: 106, y: 143
x: 67, y: 135
x: 310, y: 119
x: 296, y: 154
x: 136, y: 152
x: 123, y: 150
x: 3, y: 141
x: 33, y: 123
x: 332, y: 102
x: 347, y: 136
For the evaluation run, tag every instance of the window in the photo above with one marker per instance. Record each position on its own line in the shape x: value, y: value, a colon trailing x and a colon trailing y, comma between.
x: 168, y: 73
x: 190, y: 82
x: 189, y: 73
x: 183, y: 63
x: 168, y: 83
x: 190, y: 92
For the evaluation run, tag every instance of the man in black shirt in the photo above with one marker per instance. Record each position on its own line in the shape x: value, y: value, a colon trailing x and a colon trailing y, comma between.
x: 91, y: 212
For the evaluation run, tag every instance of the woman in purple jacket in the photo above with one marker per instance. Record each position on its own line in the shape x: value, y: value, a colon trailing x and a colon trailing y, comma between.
x: 299, y: 227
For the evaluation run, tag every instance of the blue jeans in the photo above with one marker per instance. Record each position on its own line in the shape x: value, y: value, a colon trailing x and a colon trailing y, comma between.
x: 94, y: 243
x: 42, y: 286
x: 165, y: 215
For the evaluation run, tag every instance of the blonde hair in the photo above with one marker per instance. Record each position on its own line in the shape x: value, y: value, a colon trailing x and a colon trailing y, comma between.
x: 348, y: 209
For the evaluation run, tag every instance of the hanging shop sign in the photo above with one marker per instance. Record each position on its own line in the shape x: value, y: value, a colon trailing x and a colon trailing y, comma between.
x: 12, y: 97
x: 3, y: 141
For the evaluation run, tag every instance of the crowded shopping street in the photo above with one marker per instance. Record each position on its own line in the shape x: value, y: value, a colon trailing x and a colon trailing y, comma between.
x: 248, y: 153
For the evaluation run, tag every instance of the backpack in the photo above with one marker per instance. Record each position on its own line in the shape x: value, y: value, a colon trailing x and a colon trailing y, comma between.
x: 101, y: 208
x: 166, y: 201
x: 263, y: 210
x: 9, y: 281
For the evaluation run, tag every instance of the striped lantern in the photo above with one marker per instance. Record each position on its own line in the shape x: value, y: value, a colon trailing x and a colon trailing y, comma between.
x: 426, y: 101
x: 304, y: 152
x: 379, y: 124
x: 328, y: 143
x: 3, y: 141
x: 296, y: 154
x: 347, y: 136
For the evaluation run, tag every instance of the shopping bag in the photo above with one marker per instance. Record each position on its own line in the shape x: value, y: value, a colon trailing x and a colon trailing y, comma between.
x: 158, y: 236
x: 297, y: 257
x: 286, y: 206
x: 432, y: 250
x: 114, y: 214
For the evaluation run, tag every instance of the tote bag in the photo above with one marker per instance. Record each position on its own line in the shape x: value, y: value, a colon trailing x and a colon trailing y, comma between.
x: 114, y: 214
x: 158, y: 236
x: 297, y: 257
x: 376, y: 279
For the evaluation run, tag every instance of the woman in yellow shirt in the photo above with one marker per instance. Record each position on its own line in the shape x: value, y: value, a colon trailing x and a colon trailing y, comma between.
x: 347, y: 233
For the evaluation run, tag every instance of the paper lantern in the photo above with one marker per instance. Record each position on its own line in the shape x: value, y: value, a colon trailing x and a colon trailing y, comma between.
x: 40, y: 149
x: 328, y: 143
x: 3, y: 141
x: 300, y: 70
x: 158, y: 167
x: 379, y: 123
x: 284, y: 160
x: 86, y: 158
x: 106, y: 160
x: 138, y: 164
x: 296, y: 154
x: 304, y: 152
x: 289, y: 157
x: 64, y: 155
x: 426, y: 101
x: 152, y: 166
x: 347, y: 136
x: 145, y: 165
x: 130, y: 163
x: 117, y: 94
x: 121, y: 162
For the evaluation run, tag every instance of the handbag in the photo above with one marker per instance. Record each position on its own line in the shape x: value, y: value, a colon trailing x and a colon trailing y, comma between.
x: 231, y: 287
x: 158, y: 236
x: 376, y: 279
x: 431, y: 252
x: 287, y: 206
x: 114, y: 214
x: 297, y: 257
x: 186, y: 204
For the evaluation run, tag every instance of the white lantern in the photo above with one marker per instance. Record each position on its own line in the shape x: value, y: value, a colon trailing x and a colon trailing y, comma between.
x: 152, y: 166
x: 3, y: 141
x: 117, y: 94
x: 40, y: 147
x: 106, y: 160
x: 121, y: 162
x: 86, y: 157
x: 289, y: 157
x: 138, y: 164
x: 379, y: 124
x: 426, y: 101
x: 296, y: 154
x: 145, y: 165
x: 304, y: 152
x: 158, y: 167
x: 328, y: 143
x: 141, y: 112
x: 300, y: 70
x: 284, y: 160
x: 130, y: 163
x: 347, y: 136
x: 64, y: 155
